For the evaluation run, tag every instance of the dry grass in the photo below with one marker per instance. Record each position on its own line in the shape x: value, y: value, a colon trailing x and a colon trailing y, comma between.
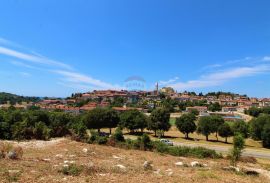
x: 99, y: 165
x: 6, y: 148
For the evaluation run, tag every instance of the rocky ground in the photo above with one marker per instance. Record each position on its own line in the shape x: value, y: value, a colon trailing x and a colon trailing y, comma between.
x: 48, y: 162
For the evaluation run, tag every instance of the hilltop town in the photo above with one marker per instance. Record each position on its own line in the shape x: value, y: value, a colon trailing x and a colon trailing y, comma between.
x: 122, y: 100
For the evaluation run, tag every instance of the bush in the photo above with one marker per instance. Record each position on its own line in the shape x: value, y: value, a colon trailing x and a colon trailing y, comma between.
x: 72, y: 170
x: 130, y: 144
x: 41, y: 131
x: 198, y: 152
x: 101, y: 140
x: 94, y: 136
x: 160, y: 147
x: 144, y: 143
x: 80, y: 130
x: 238, y: 146
x: 118, y: 135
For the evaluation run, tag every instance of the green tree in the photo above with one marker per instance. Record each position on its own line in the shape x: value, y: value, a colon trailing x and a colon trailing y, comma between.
x: 214, y: 107
x: 159, y: 120
x: 195, y: 112
x: 266, y: 136
x: 111, y: 119
x: 133, y: 120
x: 241, y: 127
x: 257, y: 126
x: 238, y: 146
x: 168, y: 104
x: 95, y: 119
x: 186, y: 124
x: 59, y: 123
x: 225, y: 131
x: 205, y: 126
x: 216, y: 122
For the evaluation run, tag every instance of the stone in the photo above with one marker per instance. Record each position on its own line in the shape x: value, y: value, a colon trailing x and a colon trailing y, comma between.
x: 253, y: 172
x: 147, y: 165
x: 12, y: 155
x: 85, y: 150
x: 13, y: 171
x: 231, y: 168
x: 72, y: 162
x: 157, y: 172
x: 65, y: 165
x: 46, y: 160
x: 59, y: 156
x: 122, y: 167
x: 196, y: 164
x: 116, y: 157
x: 179, y: 163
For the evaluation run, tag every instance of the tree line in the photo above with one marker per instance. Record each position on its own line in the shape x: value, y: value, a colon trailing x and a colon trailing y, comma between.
x: 257, y: 129
x: 38, y: 124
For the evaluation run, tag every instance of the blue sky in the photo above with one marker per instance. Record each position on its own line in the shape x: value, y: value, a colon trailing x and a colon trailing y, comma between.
x: 54, y: 48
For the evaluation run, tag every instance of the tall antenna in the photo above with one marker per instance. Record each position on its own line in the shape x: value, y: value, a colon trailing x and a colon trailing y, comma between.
x: 157, y: 88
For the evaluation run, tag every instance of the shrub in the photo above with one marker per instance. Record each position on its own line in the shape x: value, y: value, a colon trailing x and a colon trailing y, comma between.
x: 198, y: 152
x: 130, y: 144
x: 118, y: 135
x: 238, y: 146
x: 72, y: 170
x: 143, y: 143
x: 101, y: 140
x: 160, y: 147
x: 94, y: 136
x: 80, y: 130
x: 41, y: 131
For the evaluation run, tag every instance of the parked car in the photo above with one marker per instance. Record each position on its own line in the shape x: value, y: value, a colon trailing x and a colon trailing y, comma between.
x: 167, y: 142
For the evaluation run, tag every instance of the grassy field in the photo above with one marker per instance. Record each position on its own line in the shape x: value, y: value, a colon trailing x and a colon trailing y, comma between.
x: 44, y: 161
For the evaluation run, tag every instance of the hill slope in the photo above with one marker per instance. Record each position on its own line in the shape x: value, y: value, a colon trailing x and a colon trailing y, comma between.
x: 43, y: 160
x: 12, y: 98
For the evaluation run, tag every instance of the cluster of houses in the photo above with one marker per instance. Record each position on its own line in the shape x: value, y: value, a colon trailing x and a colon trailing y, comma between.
x: 103, y: 98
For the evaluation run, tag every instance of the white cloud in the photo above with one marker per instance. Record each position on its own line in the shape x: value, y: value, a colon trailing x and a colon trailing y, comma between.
x: 266, y: 58
x: 72, y: 79
x: 32, y: 58
x: 218, y: 78
x: 75, y: 86
x: 25, y: 74
x: 81, y: 78
x: 170, y: 81
x: 21, y: 64
x: 5, y: 41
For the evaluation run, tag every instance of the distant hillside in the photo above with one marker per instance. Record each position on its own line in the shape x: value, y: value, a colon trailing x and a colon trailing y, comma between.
x: 12, y: 98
